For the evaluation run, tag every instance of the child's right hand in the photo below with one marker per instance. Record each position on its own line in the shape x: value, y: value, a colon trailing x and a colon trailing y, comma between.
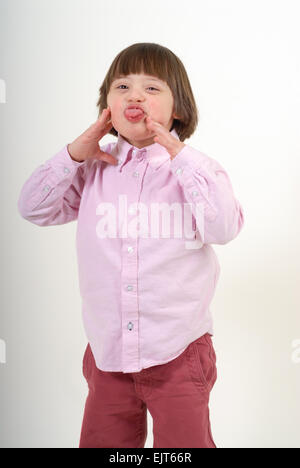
x: 86, y: 145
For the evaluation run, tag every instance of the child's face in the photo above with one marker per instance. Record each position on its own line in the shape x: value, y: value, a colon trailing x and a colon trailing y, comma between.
x: 149, y: 92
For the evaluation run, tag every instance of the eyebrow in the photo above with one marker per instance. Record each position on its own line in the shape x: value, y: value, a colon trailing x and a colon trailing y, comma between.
x: 149, y: 78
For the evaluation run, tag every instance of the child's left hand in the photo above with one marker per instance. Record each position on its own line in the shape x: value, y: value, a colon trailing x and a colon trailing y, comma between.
x: 164, y: 137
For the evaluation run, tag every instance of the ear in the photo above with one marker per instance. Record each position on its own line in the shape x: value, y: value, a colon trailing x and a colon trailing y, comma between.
x: 175, y: 116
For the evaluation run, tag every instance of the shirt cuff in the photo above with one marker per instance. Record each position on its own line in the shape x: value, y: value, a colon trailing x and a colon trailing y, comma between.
x: 63, y: 164
x: 195, y: 172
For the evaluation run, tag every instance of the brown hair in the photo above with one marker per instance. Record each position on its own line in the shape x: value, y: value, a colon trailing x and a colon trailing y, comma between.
x: 156, y: 60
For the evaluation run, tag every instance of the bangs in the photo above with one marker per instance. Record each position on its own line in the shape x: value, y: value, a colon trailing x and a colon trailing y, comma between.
x: 142, y: 59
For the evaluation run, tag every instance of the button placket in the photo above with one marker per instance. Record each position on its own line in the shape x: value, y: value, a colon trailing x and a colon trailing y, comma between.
x: 140, y: 158
x: 129, y: 294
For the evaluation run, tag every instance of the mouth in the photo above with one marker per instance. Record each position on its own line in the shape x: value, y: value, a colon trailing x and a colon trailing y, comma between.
x: 134, y: 113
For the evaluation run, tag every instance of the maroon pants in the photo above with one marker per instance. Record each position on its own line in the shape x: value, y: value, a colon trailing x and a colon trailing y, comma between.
x: 176, y: 395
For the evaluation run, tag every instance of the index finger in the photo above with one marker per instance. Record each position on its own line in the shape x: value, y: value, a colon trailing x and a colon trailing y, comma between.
x: 105, y: 114
x: 103, y: 121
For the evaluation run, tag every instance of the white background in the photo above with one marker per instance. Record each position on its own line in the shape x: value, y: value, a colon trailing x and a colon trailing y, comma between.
x: 243, y: 62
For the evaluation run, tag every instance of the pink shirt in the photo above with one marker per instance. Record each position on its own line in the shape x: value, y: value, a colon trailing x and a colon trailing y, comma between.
x: 146, y: 288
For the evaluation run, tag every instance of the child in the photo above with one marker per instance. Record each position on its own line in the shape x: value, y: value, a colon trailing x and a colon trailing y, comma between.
x: 145, y: 294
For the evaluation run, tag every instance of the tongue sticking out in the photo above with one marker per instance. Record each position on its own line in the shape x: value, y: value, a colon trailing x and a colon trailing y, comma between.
x: 133, y: 113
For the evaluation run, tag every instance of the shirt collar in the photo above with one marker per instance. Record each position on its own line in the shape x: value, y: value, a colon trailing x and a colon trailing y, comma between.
x: 155, y: 154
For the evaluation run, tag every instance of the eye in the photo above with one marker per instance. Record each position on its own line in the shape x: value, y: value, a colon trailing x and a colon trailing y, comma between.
x: 149, y: 87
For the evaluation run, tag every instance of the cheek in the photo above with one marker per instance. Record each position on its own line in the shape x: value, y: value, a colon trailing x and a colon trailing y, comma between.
x: 154, y: 110
x: 158, y: 112
x: 113, y: 103
x: 116, y: 112
x: 116, y: 109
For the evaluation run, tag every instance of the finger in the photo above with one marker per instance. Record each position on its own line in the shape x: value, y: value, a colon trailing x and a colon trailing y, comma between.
x: 104, y: 128
x: 96, y: 125
x: 108, y: 126
x: 160, y: 132
x: 108, y: 122
x: 105, y: 116
x: 103, y: 124
x: 159, y: 128
x: 156, y: 126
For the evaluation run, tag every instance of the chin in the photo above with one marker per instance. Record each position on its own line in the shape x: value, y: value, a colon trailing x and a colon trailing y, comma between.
x: 136, y: 131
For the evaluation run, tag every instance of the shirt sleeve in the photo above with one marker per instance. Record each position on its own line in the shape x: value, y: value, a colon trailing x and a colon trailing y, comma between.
x: 52, y: 194
x: 208, y: 190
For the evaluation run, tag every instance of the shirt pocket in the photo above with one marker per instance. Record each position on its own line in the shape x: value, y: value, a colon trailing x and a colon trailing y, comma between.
x: 201, y: 359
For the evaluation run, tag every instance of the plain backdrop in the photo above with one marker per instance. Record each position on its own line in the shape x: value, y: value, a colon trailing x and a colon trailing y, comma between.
x: 243, y: 62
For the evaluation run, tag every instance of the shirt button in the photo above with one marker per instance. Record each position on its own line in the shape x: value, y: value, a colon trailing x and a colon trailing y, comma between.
x: 135, y: 174
x: 130, y: 326
x: 46, y: 188
x: 66, y: 170
x: 129, y: 287
x: 120, y: 161
x: 179, y: 171
x: 130, y: 249
x: 195, y: 193
x: 134, y: 151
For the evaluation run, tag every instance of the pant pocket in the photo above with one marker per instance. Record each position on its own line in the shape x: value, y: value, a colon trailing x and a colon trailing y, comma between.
x: 201, y: 359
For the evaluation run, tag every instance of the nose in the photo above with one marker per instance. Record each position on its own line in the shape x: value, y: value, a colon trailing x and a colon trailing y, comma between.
x: 135, y: 95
